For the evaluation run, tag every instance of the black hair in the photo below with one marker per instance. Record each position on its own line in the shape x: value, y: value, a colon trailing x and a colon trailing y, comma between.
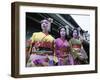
x: 74, y: 30
x: 48, y: 19
x: 59, y: 29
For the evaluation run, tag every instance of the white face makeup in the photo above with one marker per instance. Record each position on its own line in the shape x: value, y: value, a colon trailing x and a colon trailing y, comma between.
x: 45, y: 25
x: 75, y: 33
x: 62, y: 32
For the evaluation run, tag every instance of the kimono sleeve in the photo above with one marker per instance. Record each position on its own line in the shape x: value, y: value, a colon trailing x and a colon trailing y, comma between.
x: 32, y: 38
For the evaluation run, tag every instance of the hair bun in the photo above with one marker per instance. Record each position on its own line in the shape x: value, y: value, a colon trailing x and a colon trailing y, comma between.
x: 50, y: 20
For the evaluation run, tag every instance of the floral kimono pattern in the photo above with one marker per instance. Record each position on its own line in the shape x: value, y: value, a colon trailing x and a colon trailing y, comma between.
x: 40, y: 48
x: 62, y: 52
x: 77, y: 51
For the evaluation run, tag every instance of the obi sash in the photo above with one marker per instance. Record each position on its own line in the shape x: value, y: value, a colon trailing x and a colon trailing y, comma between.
x: 76, y: 46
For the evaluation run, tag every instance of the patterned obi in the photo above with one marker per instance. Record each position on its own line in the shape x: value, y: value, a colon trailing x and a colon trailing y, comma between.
x: 76, y: 46
x: 62, y: 52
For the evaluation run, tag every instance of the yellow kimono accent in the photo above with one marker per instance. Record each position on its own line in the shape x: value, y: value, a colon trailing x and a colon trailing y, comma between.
x: 42, y: 40
x: 38, y: 36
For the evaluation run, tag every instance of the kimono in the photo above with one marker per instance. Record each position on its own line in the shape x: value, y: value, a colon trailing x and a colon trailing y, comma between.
x: 77, y: 51
x: 41, y: 49
x: 62, y: 52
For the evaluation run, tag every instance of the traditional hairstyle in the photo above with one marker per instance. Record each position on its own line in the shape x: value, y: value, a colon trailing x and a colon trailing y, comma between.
x: 76, y: 30
x: 59, y: 29
x: 48, y: 19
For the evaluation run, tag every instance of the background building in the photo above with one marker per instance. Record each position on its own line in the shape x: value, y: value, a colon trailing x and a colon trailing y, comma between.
x: 59, y: 20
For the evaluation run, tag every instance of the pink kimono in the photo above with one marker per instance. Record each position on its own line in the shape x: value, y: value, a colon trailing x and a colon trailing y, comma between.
x: 62, y: 52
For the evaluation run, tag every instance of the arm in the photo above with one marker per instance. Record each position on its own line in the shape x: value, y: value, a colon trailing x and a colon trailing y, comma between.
x: 54, y: 50
x: 31, y: 43
x: 84, y: 53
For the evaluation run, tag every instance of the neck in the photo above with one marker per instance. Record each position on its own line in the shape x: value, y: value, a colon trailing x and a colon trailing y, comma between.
x: 75, y: 37
x: 45, y: 32
x: 62, y: 37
